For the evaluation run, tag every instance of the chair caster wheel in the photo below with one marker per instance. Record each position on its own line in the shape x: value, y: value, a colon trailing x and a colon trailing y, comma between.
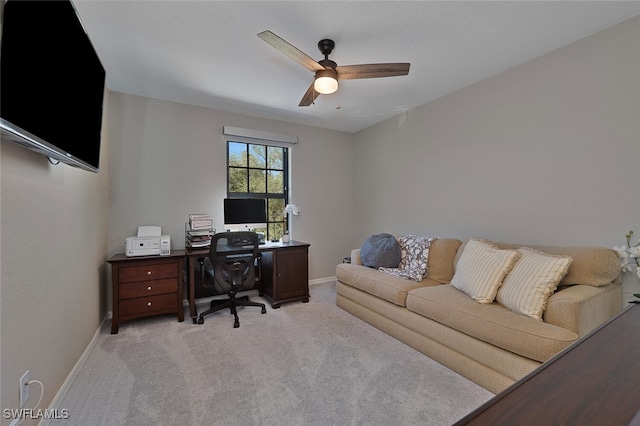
x: 200, y: 320
x: 264, y: 310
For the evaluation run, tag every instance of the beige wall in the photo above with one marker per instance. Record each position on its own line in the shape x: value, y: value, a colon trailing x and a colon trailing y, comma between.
x: 547, y: 152
x: 169, y: 160
x: 53, y: 284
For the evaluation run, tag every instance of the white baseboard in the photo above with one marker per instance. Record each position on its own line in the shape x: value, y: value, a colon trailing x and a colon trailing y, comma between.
x: 322, y: 280
x: 62, y: 392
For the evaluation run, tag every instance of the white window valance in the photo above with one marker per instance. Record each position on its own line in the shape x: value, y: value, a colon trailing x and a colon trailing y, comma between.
x: 248, y: 135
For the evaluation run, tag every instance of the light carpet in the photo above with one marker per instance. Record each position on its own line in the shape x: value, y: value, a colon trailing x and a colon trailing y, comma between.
x: 303, y: 364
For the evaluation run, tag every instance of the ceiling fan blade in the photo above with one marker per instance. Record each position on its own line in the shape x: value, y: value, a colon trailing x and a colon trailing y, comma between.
x: 350, y: 72
x: 309, y: 97
x: 291, y: 51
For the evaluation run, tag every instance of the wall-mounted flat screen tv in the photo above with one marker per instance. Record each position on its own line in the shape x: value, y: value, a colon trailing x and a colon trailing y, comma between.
x: 52, y: 82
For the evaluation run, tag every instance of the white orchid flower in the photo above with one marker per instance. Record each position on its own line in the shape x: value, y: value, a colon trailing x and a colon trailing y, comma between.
x: 630, y: 258
x: 622, y: 252
x: 291, y: 209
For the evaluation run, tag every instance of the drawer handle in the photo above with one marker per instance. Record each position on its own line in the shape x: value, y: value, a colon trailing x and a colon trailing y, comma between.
x: 149, y: 288
x: 148, y: 272
x: 148, y: 303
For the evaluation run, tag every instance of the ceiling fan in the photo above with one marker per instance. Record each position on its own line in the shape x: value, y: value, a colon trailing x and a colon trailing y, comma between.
x: 327, y: 72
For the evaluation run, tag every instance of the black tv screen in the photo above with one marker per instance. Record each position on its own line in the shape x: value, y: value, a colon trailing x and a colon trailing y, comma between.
x: 245, y: 211
x: 52, y: 82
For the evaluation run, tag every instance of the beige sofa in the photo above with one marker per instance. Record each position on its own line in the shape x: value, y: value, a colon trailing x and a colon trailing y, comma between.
x: 487, y: 343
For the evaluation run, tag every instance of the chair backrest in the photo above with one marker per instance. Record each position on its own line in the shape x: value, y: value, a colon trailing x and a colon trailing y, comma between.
x: 234, y: 256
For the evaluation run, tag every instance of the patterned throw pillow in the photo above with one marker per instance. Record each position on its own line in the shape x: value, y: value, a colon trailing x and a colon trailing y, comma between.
x: 414, y: 257
x: 533, y: 279
x: 481, y: 269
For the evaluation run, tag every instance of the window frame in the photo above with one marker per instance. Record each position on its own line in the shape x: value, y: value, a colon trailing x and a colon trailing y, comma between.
x: 271, y: 231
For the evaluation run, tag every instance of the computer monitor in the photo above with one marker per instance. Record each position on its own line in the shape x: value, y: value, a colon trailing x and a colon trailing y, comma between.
x: 245, y: 214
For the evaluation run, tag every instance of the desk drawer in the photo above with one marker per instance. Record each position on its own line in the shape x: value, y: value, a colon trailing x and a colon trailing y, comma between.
x: 129, y: 274
x: 148, y: 288
x: 148, y: 304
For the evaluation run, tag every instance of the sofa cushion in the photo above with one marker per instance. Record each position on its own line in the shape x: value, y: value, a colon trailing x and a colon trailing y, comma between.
x: 441, y: 255
x: 481, y: 269
x: 380, y: 250
x: 591, y: 265
x: 491, y: 322
x: 534, y: 278
x: 385, y: 286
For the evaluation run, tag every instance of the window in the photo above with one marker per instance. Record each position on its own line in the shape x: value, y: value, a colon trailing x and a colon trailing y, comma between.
x: 260, y: 171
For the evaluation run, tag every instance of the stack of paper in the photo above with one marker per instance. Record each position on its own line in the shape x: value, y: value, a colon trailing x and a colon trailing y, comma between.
x: 198, y: 231
x: 200, y: 221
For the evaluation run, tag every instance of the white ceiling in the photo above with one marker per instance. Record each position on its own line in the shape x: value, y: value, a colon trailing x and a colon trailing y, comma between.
x: 206, y: 53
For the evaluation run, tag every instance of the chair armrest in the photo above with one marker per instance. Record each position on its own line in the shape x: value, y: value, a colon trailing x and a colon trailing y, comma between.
x: 204, y: 263
x: 258, y: 276
x: 581, y: 308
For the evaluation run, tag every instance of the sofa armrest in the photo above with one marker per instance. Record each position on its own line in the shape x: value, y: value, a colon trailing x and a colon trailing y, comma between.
x: 581, y: 308
x: 355, y: 257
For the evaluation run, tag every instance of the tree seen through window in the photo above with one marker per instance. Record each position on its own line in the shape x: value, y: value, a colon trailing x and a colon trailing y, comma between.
x: 260, y: 171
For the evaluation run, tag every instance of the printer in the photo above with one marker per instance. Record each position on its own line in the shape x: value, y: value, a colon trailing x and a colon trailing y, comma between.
x: 148, y: 242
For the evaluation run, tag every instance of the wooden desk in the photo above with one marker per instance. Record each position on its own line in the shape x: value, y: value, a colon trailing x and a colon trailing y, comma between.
x: 146, y: 285
x: 285, y: 273
x: 596, y: 381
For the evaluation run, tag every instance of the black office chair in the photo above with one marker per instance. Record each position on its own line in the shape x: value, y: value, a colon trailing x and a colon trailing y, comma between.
x: 236, y: 267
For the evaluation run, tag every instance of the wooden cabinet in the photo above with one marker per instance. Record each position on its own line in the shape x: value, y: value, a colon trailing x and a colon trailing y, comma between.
x: 145, y: 286
x: 285, y: 274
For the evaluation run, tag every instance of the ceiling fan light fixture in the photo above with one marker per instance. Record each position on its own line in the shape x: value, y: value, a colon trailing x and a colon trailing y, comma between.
x: 326, y: 82
x: 327, y: 71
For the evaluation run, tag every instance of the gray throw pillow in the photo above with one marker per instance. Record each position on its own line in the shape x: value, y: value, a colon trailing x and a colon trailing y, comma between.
x: 381, y: 250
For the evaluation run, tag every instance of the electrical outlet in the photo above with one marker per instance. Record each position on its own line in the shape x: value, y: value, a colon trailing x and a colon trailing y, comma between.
x: 24, y: 388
